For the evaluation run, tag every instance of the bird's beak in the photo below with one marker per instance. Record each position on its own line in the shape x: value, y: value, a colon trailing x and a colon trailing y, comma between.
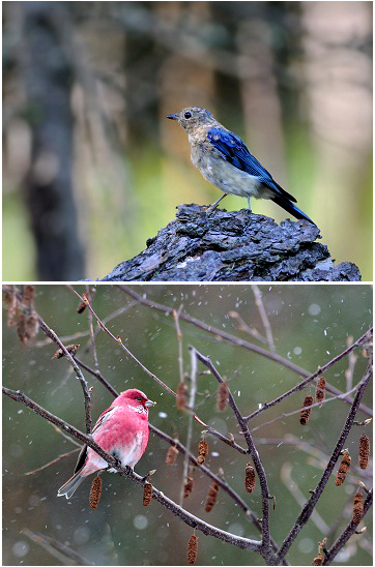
x: 172, y: 116
x: 150, y: 403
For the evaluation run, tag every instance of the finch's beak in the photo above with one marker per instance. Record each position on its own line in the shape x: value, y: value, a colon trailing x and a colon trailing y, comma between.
x: 172, y: 116
x: 150, y: 404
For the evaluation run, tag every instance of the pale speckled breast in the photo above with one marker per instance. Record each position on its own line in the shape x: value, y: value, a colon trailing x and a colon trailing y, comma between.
x: 224, y: 175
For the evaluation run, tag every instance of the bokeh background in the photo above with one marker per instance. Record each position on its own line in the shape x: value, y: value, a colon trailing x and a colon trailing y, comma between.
x: 92, y: 168
x: 310, y: 325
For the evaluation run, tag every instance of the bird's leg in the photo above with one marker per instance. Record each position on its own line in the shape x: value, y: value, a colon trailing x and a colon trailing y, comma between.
x: 214, y: 205
x: 248, y: 203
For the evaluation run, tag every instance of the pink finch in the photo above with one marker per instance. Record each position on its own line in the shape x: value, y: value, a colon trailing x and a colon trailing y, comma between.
x: 121, y: 430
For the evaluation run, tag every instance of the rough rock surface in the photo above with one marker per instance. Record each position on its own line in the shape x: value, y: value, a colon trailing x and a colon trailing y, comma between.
x: 233, y: 246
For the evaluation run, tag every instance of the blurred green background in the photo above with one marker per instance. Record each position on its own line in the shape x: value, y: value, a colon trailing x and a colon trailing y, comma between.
x: 310, y: 325
x: 91, y: 166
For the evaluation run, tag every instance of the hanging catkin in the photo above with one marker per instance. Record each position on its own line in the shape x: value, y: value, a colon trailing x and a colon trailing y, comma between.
x: 147, y: 493
x: 202, y: 451
x: 95, y: 492
x: 171, y: 457
x: 188, y: 486
x: 357, y: 508
x: 306, y: 410
x: 249, y: 478
x: 320, y: 391
x: 363, y: 451
x: 212, y: 496
x: 222, y: 396
x: 192, y: 549
x: 343, y: 468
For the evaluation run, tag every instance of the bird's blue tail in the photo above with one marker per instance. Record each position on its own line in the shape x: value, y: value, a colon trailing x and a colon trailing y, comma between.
x: 291, y: 208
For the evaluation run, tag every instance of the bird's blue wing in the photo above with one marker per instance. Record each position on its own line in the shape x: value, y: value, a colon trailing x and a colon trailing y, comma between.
x: 234, y: 150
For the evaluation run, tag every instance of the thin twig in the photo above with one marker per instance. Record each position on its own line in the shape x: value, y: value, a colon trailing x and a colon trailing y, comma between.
x: 307, y: 510
x: 189, y: 433
x: 321, y: 370
x: 263, y: 315
x: 53, y: 462
x: 57, y: 549
x: 232, y: 339
x: 344, y: 537
x: 50, y: 333
x: 252, y: 450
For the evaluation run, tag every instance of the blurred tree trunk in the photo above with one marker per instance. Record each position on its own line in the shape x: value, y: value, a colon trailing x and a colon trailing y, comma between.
x: 49, y: 185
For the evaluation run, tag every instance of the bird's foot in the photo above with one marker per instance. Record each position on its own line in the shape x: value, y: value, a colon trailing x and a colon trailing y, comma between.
x: 214, y: 205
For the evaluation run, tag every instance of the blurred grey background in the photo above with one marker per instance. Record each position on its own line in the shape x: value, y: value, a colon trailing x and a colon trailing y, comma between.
x: 91, y: 166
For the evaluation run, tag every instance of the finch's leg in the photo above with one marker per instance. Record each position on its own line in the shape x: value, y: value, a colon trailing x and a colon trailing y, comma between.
x: 248, y: 203
x: 214, y: 205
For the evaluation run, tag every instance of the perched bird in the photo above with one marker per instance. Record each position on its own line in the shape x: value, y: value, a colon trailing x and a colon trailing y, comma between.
x: 121, y: 430
x: 225, y: 161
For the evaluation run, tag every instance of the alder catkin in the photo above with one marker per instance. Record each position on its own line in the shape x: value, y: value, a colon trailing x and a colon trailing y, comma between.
x: 318, y: 560
x: 188, y: 486
x: 171, y: 457
x: 147, y: 493
x: 249, y: 478
x: 363, y: 451
x: 72, y: 350
x: 357, y: 508
x: 202, y: 451
x: 212, y: 496
x: 192, y: 549
x: 182, y: 396
x: 222, y: 396
x: 95, y: 492
x: 320, y: 391
x: 343, y: 468
x: 306, y: 410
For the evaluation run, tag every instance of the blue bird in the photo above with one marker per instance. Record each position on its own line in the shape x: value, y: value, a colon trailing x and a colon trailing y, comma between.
x: 225, y: 161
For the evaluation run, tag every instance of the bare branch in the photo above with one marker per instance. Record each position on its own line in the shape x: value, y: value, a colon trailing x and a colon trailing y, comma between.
x: 317, y: 492
x: 188, y: 518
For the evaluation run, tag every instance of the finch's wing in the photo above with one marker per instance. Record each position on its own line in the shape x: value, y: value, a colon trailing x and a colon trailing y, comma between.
x: 234, y: 150
x: 101, y: 420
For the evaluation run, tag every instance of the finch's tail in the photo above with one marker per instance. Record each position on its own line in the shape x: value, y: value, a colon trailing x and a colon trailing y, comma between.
x: 71, y: 485
x: 291, y: 208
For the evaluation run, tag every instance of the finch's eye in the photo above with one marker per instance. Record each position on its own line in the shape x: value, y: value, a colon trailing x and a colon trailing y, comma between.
x: 187, y: 115
x: 138, y: 398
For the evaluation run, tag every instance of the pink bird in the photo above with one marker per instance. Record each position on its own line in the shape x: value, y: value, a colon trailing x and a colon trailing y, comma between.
x: 122, y: 431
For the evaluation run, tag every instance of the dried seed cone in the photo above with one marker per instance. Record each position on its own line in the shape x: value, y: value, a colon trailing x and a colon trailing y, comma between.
x: 306, y: 410
x: 95, y: 492
x: 357, y: 508
x: 147, y: 493
x: 212, y: 496
x: 249, y: 478
x: 318, y: 560
x: 81, y: 307
x: 320, y: 392
x: 171, y: 457
x: 28, y: 293
x: 363, y: 451
x: 202, y: 451
x: 188, y: 486
x: 343, y: 469
x: 72, y: 349
x: 192, y: 549
x: 222, y: 396
x: 182, y: 396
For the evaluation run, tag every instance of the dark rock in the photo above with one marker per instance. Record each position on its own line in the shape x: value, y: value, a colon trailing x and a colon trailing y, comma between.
x: 233, y: 246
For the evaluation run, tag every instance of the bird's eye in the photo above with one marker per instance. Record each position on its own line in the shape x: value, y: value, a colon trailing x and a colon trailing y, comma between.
x: 187, y: 115
x: 139, y: 398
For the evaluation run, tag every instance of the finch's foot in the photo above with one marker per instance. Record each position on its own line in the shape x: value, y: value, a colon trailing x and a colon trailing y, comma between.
x: 214, y: 205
